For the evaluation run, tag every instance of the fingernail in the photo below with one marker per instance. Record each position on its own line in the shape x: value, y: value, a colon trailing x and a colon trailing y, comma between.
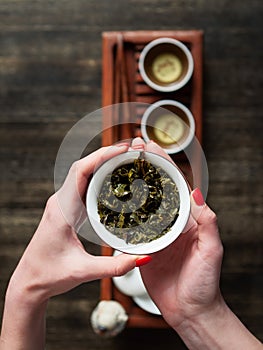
x: 138, y: 143
x: 138, y: 138
x: 143, y: 261
x: 138, y: 147
x: 122, y: 144
x: 198, y: 197
x: 119, y: 147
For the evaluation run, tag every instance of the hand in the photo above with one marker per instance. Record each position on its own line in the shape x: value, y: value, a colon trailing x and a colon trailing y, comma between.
x: 183, y: 281
x: 55, y: 260
x: 189, y: 269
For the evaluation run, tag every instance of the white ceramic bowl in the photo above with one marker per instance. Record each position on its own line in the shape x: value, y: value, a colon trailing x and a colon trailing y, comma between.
x: 175, y: 109
x: 118, y: 243
x: 180, y: 60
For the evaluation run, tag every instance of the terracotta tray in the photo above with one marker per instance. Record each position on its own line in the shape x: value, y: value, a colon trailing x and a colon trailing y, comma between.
x: 122, y: 82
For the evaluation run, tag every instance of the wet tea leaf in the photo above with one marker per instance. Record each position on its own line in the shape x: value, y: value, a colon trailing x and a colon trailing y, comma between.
x: 138, y: 202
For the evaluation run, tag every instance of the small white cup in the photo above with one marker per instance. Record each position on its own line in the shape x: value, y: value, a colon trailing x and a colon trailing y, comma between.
x: 168, y: 120
x: 166, y: 64
x: 120, y: 244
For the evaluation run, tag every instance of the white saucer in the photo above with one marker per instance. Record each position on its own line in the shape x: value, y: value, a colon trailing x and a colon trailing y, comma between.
x: 131, y: 284
x: 146, y: 303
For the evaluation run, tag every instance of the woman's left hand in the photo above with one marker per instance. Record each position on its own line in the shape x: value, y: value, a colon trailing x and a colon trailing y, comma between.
x: 55, y: 260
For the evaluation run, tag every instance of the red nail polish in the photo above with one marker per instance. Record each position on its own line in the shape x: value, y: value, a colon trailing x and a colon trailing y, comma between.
x: 143, y: 261
x: 198, y: 197
x: 121, y: 144
x: 138, y: 147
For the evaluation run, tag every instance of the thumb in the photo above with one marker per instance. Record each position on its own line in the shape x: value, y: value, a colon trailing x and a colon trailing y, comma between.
x: 110, y: 266
x: 208, y: 233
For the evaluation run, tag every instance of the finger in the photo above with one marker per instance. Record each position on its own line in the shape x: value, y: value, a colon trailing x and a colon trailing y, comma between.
x: 109, y: 266
x: 87, y: 165
x: 154, y: 148
x: 191, y: 223
x: 82, y: 169
x: 71, y: 195
x: 138, y: 144
x: 208, y: 233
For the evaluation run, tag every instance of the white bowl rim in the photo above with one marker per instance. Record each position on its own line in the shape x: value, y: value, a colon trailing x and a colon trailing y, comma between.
x: 111, y: 239
x: 172, y: 87
x: 180, y: 146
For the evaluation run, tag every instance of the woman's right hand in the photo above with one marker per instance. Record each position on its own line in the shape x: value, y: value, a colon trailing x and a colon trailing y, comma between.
x: 183, y: 279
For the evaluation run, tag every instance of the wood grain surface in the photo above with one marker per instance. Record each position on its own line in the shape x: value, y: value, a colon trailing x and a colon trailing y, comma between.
x: 50, y: 77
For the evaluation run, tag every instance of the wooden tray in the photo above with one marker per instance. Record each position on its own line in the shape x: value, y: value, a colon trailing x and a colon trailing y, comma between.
x: 122, y: 82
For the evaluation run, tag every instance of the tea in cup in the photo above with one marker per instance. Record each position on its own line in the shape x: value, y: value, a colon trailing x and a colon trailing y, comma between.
x: 170, y: 124
x: 166, y: 64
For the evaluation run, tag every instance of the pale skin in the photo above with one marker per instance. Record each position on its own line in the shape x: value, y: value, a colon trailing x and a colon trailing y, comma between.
x: 188, y: 293
x: 55, y: 262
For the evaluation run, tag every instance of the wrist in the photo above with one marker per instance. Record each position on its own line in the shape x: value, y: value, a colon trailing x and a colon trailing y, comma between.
x: 23, y: 324
x: 26, y: 293
x: 25, y: 299
x: 200, y: 330
x: 217, y: 328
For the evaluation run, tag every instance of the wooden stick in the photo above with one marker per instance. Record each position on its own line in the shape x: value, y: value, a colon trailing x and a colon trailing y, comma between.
x: 125, y: 127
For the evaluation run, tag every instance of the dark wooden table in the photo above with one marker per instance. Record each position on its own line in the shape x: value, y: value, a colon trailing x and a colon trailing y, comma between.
x: 50, y: 77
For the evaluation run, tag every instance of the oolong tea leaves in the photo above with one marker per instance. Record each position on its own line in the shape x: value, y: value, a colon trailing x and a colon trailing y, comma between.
x: 138, y: 202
